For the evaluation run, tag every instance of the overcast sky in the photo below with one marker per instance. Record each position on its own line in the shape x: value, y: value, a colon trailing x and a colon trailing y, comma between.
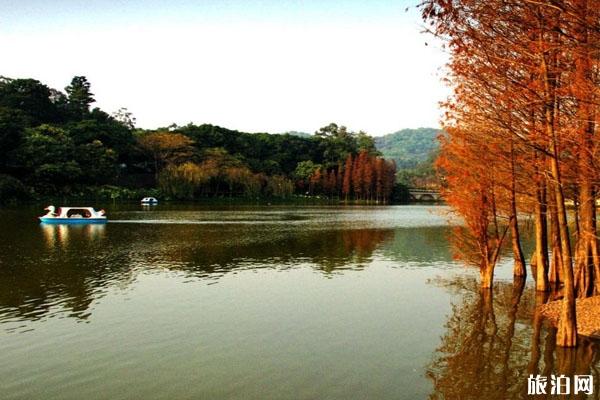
x: 270, y: 65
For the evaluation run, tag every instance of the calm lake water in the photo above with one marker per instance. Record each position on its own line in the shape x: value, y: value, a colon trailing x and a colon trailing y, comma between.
x: 262, y: 303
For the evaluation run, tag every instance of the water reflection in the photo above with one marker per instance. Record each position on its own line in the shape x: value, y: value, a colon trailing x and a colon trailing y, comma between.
x: 58, y: 234
x: 327, y: 251
x: 494, y: 340
x: 61, y: 270
x: 425, y: 245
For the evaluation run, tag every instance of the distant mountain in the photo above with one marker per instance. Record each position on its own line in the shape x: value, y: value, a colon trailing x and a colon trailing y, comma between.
x: 296, y: 133
x: 409, y: 147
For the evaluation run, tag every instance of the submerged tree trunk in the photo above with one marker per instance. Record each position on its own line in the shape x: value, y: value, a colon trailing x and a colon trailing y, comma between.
x: 541, y: 241
x: 586, y: 259
x: 486, y: 272
x: 587, y: 244
x: 519, y: 258
x: 536, y: 354
x: 555, y: 258
x: 567, y: 325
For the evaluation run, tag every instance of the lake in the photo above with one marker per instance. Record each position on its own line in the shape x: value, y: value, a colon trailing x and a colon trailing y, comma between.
x: 272, y: 302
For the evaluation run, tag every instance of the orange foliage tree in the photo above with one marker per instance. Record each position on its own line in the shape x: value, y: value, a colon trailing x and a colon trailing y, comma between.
x: 522, y: 124
x: 365, y: 177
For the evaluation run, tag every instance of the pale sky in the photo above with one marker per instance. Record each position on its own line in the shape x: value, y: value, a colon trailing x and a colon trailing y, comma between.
x: 250, y: 65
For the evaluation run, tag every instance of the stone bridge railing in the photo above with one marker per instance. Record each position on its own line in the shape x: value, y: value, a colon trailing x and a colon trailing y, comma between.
x: 424, y: 195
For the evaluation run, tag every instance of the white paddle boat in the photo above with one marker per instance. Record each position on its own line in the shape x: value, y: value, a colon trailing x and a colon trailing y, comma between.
x: 73, y: 215
x: 149, y: 201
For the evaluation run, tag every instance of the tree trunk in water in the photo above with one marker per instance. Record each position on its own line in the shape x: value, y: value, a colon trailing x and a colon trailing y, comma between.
x: 586, y: 258
x: 555, y: 259
x: 566, y: 335
x: 596, y: 253
x: 536, y: 355
x: 519, y: 258
x: 486, y: 272
x: 541, y: 242
x: 587, y: 245
x: 533, y: 265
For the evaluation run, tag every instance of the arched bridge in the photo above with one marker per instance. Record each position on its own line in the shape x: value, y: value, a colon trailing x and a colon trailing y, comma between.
x: 424, y: 195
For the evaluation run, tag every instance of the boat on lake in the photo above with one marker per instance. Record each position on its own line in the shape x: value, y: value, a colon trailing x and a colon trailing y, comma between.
x: 73, y: 215
x: 149, y: 200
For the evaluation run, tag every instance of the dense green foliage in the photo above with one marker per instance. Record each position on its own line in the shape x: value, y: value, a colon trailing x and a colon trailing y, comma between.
x: 414, y: 151
x: 296, y: 133
x: 11, y: 189
x: 52, y: 143
x: 422, y: 176
x: 409, y: 147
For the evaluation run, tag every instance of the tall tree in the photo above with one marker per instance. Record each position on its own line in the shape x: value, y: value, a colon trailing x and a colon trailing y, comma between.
x: 166, y: 148
x: 79, y: 96
x: 346, y: 185
x: 32, y: 98
x: 525, y: 78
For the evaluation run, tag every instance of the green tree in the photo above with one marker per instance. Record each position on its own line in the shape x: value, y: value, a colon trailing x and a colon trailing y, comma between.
x: 98, y: 125
x: 335, y: 143
x: 11, y: 189
x: 79, y: 96
x: 12, y: 125
x: 31, y: 97
x: 98, y: 163
x: 332, y: 130
x: 124, y: 117
x: 366, y: 143
x: 47, y: 154
x: 305, y: 169
x: 409, y: 147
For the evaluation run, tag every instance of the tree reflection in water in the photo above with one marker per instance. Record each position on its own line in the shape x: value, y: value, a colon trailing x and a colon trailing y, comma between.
x: 210, y: 254
x: 72, y: 266
x: 494, y: 340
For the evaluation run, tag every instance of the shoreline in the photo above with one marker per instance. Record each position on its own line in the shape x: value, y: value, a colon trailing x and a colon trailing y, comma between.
x: 210, y: 201
x: 588, y: 315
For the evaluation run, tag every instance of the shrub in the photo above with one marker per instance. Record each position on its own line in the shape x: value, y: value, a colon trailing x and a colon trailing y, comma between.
x: 11, y: 189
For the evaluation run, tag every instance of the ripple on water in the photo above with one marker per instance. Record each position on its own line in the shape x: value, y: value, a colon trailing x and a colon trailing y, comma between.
x: 306, y: 297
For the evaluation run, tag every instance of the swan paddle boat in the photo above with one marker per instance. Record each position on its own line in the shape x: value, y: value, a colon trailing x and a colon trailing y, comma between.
x: 73, y: 215
x: 149, y: 201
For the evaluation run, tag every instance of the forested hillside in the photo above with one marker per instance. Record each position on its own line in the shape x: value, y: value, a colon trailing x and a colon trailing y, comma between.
x: 414, y: 151
x: 52, y: 143
x: 408, y: 147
